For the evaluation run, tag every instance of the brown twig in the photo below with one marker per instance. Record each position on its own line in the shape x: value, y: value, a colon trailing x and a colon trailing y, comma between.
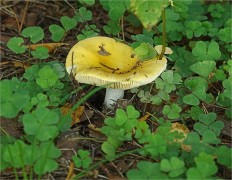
x: 24, y: 15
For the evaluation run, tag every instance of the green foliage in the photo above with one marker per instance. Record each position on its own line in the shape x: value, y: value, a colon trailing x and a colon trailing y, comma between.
x: 223, y: 154
x: 15, y: 45
x: 41, y: 123
x: 40, y: 53
x: 205, y: 167
x: 194, y: 29
x: 83, y: 15
x: 46, y: 162
x: 12, y: 99
x: 172, y: 111
x: 200, y: 68
x: 112, y: 27
x: 57, y: 32
x: 208, y: 122
x: 88, y: 31
x: 82, y: 159
x: 47, y: 77
x: 206, y: 52
x: 118, y: 129
x: 148, y: 12
x: 152, y: 171
x: 40, y: 158
x: 166, y: 84
x: 174, y: 167
x: 68, y: 23
x: 145, y: 51
x: 35, y: 33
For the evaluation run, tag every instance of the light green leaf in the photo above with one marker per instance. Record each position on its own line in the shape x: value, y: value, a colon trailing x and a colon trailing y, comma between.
x: 203, y: 68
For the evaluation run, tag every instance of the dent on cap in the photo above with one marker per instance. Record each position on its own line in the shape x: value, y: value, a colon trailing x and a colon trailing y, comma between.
x: 105, y: 61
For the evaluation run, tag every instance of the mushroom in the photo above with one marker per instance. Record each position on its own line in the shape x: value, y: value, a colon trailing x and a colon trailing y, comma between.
x: 105, y: 61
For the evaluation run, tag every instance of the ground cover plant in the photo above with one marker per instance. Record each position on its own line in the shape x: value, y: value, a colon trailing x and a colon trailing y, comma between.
x: 178, y: 127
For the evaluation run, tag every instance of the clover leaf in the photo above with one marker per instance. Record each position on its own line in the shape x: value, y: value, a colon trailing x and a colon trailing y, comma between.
x: 146, y: 170
x: 31, y: 73
x: 194, y: 29
x: 145, y: 51
x: 223, y: 154
x: 198, y: 87
x: 172, y: 111
x: 59, y: 68
x: 203, y: 68
x: 175, y: 167
x: 117, y: 9
x: 191, y: 99
x: 40, y: 52
x: 112, y: 27
x: 83, y: 15
x: 47, y: 77
x: 146, y: 37
x: 14, y: 153
x: 68, y: 23
x: 224, y: 35
x: 205, y: 167
x: 15, y: 45
x: 148, y: 12
x: 41, y: 123
x: 40, y: 100
x: 46, y: 162
x: 57, y: 32
x: 12, y: 100
x: 88, y: 31
x: 35, y: 33
x: 208, y: 52
x: 208, y: 121
x: 82, y: 159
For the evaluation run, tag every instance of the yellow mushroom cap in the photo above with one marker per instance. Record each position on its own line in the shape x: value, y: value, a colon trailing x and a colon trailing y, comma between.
x: 106, y: 61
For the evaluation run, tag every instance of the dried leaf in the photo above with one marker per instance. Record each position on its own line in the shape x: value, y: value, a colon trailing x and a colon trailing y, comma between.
x: 50, y: 46
x: 76, y: 115
x: 144, y: 118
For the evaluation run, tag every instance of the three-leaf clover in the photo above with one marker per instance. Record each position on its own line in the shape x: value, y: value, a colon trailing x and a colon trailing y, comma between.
x: 68, y: 23
x: 12, y: 100
x: 46, y: 162
x: 40, y: 100
x: 41, y: 123
x: 82, y: 159
x: 205, y: 167
x: 203, y: 68
x: 47, y: 77
x: 204, y: 51
x: 208, y: 121
x: 58, y: 32
x: 145, y: 51
x: 40, y: 52
x: 175, y: 167
x: 172, y: 111
x: 83, y: 15
x: 146, y: 170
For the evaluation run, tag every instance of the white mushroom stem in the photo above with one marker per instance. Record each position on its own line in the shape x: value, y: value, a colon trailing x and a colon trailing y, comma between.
x: 112, y: 95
